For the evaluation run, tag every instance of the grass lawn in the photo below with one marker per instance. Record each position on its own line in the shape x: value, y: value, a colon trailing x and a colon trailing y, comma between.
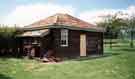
x: 117, y: 63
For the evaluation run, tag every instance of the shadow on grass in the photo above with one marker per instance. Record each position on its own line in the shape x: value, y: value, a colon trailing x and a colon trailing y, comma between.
x: 4, y: 77
x: 91, y: 57
x: 122, y: 48
x: 127, y: 49
x: 4, y: 58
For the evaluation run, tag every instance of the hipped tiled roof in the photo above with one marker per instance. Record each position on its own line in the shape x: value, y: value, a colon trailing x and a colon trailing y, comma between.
x: 63, y: 20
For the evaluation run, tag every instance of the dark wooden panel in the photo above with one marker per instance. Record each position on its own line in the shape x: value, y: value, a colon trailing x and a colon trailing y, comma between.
x: 94, y: 43
x: 73, y: 48
x: 52, y: 41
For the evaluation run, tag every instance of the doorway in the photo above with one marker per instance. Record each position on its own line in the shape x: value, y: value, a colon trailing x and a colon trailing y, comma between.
x: 37, y: 51
x: 83, y: 45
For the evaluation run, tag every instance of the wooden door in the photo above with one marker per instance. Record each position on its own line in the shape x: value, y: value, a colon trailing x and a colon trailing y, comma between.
x: 82, y: 45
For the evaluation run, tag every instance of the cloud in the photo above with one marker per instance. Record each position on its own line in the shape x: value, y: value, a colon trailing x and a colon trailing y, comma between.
x: 95, y: 15
x: 99, y: 15
x: 26, y: 14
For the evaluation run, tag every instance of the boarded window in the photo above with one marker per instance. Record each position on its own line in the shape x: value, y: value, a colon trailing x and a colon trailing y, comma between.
x: 64, y: 38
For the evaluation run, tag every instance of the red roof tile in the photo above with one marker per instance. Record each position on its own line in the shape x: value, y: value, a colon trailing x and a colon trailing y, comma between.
x: 65, y: 20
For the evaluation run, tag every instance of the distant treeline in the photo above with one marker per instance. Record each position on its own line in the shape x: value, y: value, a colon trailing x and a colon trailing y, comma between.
x: 8, y: 41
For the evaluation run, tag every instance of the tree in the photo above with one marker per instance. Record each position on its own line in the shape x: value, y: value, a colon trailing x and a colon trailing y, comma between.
x: 112, y: 24
x: 131, y: 29
x: 7, y: 32
x: 7, y: 37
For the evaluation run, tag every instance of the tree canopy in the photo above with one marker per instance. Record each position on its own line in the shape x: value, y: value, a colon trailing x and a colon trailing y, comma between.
x: 7, y: 32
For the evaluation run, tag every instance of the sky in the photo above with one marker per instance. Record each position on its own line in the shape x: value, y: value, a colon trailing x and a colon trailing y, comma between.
x: 24, y: 12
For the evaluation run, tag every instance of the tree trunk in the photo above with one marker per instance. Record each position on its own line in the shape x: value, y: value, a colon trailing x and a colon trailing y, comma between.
x: 131, y: 39
x: 111, y: 40
x: 111, y: 43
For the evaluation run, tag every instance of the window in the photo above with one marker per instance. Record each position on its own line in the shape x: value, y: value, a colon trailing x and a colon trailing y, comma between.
x: 64, y: 38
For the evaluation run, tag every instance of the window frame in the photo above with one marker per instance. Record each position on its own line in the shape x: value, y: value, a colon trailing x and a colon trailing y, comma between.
x: 64, y: 37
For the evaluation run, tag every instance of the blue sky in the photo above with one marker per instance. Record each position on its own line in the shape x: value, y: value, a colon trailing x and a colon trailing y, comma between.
x: 8, y: 7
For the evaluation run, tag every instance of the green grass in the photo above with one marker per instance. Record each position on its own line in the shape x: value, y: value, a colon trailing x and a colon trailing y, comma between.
x: 117, y: 63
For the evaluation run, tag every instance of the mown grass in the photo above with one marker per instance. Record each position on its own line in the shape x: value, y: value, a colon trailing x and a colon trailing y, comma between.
x: 116, y: 63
